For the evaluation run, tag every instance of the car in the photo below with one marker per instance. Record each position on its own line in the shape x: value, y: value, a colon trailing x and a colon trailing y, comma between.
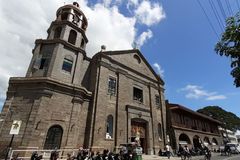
x: 235, y: 148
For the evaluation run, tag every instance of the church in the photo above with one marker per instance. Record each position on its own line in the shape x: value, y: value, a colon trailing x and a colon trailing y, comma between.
x: 68, y: 100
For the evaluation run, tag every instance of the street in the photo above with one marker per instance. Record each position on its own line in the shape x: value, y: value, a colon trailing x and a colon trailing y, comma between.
x: 233, y: 157
x: 214, y: 157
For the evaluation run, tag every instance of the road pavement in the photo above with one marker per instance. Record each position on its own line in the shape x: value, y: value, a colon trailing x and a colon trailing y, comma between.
x: 216, y: 156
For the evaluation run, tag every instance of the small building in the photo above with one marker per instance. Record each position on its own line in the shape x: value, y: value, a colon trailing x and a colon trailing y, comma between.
x: 187, y: 127
x: 228, y: 135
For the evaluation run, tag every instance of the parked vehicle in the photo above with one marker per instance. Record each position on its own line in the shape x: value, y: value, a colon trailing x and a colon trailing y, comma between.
x: 234, y: 148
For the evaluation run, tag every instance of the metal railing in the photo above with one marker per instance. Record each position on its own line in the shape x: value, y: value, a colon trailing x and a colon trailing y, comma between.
x: 26, y: 154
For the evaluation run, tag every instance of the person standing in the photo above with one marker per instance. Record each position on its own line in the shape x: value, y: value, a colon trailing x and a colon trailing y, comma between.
x: 167, y: 148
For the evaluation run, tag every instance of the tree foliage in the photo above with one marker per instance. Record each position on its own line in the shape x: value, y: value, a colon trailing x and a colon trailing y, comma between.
x: 230, y: 119
x: 229, y: 45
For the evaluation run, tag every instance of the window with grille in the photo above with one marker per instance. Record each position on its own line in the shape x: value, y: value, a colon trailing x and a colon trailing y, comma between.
x: 112, y: 85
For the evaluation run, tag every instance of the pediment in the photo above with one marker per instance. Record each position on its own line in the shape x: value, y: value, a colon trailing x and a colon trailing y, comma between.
x: 134, y: 60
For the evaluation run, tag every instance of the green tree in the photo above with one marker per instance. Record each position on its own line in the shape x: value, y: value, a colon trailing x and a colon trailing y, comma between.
x: 229, y: 45
x: 231, y: 121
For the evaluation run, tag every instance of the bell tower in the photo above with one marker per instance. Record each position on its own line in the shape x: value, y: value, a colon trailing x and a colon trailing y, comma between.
x: 63, y: 52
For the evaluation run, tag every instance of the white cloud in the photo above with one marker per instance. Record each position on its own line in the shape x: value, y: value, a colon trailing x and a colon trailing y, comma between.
x: 216, y: 97
x: 197, y: 92
x: 149, y: 13
x: 144, y: 37
x: 109, y: 27
x: 159, y: 69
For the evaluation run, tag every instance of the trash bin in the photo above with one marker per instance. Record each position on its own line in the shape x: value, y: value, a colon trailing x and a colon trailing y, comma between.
x: 137, y: 153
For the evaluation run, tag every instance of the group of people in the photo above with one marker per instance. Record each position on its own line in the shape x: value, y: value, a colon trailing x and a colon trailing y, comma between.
x: 185, y: 152
x: 86, y: 154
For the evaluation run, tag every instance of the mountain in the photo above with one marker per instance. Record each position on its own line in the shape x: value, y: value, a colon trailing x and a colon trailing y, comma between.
x: 230, y: 120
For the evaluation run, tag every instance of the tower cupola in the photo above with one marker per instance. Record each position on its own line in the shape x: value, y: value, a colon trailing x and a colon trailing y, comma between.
x: 73, y: 14
x: 70, y: 25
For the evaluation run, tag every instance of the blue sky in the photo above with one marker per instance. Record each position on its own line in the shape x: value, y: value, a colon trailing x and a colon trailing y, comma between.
x: 174, y: 36
x: 184, y: 47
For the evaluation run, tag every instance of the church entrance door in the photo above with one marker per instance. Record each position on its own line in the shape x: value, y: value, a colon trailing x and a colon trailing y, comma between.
x: 139, y: 131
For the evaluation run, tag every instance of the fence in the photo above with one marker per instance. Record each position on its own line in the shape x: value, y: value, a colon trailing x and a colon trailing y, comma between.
x: 26, y: 154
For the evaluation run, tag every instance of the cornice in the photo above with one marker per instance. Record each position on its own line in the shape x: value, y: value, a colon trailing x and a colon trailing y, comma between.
x: 192, y: 130
x: 137, y: 108
x: 55, y: 41
x: 49, y: 84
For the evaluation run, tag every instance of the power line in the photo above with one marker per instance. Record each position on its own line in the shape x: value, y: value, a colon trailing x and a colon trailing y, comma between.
x: 238, y: 5
x: 229, y: 8
x: 208, y: 18
x: 222, y: 9
x: 216, y: 15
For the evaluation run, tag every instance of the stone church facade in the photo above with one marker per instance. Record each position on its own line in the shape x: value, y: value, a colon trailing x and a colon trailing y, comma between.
x: 68, y: 100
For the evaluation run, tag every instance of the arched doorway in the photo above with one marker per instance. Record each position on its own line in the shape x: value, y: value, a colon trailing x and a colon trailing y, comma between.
x: 184, y: 139
x: 197, y: 144
x: 214, y: 142
x: 54, y: 137
x: 139, y: 129
x: 206, y: 141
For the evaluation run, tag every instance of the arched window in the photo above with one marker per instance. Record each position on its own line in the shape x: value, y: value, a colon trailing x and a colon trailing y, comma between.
x: 137, y: 58
x: 206, y: 141
x: 184, y: 139
x: 109, y: 131
x: 159, y: 131
x: 67, y: 63
x: 64, y: 16
x: 214, y: 142
x: 57, y: 32
x: 54, y: 137
x: 76, y: 19
x: 82, y: 43
x: 197, y: 142
x: 72, y: 37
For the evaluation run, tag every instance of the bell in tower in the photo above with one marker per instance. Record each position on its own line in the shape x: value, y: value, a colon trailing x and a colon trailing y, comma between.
x: 61, y: 54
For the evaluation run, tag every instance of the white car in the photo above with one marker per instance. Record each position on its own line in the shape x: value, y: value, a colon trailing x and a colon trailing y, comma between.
x: 235, y: 147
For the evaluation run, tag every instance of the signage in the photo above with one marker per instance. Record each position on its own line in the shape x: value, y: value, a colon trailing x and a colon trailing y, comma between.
x: 15, y: 127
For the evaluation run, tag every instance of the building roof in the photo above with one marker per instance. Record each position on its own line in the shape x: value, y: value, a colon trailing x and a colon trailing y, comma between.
x: 173, y: 106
